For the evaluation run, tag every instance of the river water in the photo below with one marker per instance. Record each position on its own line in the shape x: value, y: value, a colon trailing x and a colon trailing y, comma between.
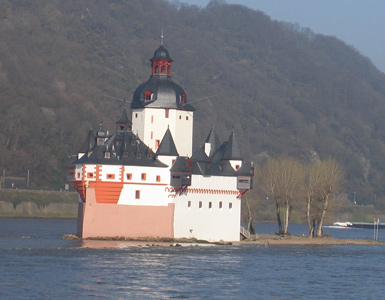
x: 36, y: 263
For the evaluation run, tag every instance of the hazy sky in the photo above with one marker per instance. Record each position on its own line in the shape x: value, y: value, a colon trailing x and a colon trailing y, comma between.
x: 359, y: 23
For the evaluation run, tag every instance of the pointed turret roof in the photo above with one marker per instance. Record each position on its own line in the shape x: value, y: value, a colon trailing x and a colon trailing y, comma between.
x: 88, y: 143
x: 123, y: 118
x: 167, y: 145
x: 232, y: 151
x: 213, y: 139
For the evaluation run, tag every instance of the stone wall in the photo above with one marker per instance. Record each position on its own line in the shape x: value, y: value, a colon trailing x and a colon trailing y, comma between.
x: 31, y: 209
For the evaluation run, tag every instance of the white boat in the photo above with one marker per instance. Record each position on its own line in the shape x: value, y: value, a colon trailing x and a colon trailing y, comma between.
x: 342, y: 224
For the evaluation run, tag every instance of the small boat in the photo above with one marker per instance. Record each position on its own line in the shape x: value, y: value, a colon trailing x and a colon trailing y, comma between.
x: 367, y: 225
x: 359, y: 225
x: 342, y: 224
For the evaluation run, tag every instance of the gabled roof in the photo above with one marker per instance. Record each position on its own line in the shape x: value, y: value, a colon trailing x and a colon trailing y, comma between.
x: 122, y: 148
x: 167, y: 145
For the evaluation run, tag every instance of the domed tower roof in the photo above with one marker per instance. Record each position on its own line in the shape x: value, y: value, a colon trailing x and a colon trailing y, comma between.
x: 161, y: 53
x: 160, y: 91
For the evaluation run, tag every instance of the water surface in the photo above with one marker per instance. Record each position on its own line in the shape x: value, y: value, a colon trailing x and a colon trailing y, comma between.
x: 36, y: 263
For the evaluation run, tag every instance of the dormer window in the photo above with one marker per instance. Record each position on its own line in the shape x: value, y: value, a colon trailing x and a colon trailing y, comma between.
x: 125, y: 154
x: 107, y: 154
x: 147, y: 95
x: 132, y: 142
x: 182, y: 99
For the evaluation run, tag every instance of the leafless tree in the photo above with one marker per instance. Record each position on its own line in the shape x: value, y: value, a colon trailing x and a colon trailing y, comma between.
x: 323, y: 181
x: 281, y: 179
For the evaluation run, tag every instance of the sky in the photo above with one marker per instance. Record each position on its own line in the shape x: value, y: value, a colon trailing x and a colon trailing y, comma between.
x: 359, y: 23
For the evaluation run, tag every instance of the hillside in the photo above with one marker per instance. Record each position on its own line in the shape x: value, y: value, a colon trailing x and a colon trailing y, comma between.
x: 283, y: 88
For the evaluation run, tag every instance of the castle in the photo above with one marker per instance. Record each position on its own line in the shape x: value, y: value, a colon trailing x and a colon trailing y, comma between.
x: 145, y: 181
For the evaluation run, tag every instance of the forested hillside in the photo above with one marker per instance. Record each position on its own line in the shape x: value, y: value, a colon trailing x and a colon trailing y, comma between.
x: 283, y: 88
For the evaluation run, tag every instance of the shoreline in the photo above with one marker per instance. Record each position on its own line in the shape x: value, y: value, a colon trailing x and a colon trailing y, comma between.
x: 259, y: 239
x: 272, y: 239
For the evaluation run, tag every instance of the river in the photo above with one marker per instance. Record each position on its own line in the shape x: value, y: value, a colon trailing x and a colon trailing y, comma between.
x: 36, y: 263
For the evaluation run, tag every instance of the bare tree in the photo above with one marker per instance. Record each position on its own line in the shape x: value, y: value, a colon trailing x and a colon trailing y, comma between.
x: 311, y: 184
x: 322, y: 182
x: 282, y: 178
x: 331, y: 178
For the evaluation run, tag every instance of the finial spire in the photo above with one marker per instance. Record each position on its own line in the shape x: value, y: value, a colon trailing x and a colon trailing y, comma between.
x: 161, y: 37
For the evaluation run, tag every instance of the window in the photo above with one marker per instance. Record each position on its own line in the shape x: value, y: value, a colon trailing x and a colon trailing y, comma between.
x: 200, y: 204
x: 152, y: 119
x: 166, y: 112
x: 132, y: 142
x: 78, y: 174
x: 189, y: 204
x: 152, y: 134
x: 147, y: 95
x: 137, y: 194
x: 107, y: 154
x: 125, y: 154
x: 210, y: 205
x: 136, y: 116
x: 230, y: 205
x: 186, y: 117
x: 182, y: 99
x: 138, y: 155
x: 237, y: 167
x: 129, y: 176
x: 110, y: 176
x: 220, y: 204
x: 157, y: 143
x: 90, y: 175
x: 157, y: 178
x: 180, y: 117
x: 149, y: 156
x: 143, y: 176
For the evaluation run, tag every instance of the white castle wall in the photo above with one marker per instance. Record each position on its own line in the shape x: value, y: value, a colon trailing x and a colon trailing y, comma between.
x: 152, y: 192
x: 151, y: 124
x: 195, y: 219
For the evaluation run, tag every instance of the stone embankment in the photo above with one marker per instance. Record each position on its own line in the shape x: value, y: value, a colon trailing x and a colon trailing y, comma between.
x: 34, y: 203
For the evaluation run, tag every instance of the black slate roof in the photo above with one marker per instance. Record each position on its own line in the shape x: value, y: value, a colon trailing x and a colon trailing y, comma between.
x: 161, y: 53
x: 121, y: 148
x: 167, y: 145
x: 213, y: 139
x: 88, y: 143
x: 232, y: 151
x: 124, y: 119
x: 166, y: 94
x: 218, y: 162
